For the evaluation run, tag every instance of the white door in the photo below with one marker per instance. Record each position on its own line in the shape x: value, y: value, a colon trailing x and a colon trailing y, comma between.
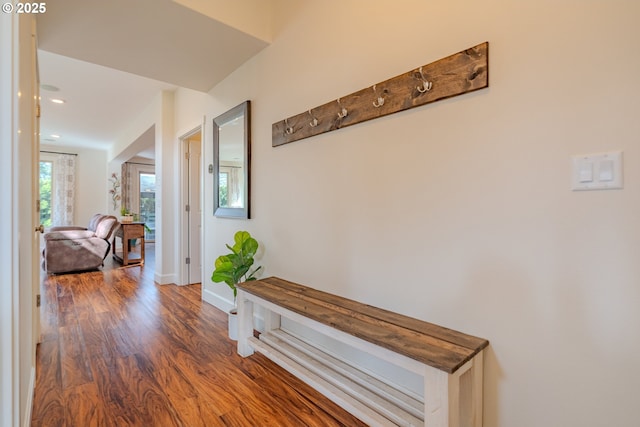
x: 193, y: 209
x: 35, y: 195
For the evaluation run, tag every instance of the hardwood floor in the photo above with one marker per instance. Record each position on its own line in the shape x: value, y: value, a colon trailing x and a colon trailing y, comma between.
x: 119, y: 350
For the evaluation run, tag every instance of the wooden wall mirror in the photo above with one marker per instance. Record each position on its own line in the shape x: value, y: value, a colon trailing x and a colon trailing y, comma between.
x: 232, y: 162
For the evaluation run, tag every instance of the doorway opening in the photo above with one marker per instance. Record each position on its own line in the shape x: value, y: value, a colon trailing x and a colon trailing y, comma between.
x: 147, y: 195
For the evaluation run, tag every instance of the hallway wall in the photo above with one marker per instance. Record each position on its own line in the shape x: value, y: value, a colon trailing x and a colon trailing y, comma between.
x: 460, y: 212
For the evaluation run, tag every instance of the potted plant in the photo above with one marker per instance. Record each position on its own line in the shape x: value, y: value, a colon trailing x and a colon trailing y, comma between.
x: 125, y: 215
x: 235, y: 268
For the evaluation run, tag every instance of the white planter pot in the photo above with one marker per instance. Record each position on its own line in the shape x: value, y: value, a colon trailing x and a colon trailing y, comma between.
x: 233, y: 324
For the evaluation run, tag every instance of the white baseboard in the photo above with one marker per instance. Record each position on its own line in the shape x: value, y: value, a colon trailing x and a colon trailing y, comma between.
x: 226, y: 305
x: 216, y: 300
x: 164, y: 279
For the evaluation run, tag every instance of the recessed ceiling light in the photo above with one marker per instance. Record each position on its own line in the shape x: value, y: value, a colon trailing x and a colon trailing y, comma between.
x: 58, y: 101
x: 51, y: 138
x: 50, y: 88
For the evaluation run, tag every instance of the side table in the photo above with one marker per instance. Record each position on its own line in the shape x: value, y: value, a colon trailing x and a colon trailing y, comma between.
x: 127, y: 232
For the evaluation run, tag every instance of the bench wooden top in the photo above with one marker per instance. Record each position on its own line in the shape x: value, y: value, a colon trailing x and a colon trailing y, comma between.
x: 434, y: 345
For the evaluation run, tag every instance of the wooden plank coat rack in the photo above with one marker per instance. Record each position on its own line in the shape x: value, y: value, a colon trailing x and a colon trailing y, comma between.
x: 460, y: 73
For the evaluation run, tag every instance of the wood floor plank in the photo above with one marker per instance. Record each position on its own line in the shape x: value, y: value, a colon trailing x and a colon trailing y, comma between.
x: 150, y: 401
x: 115, y: 394
x: 51, y: 408
x: 66, y: 311
x: 94, y: 337
x: 199, y: 411
x: 120, y: 350
x: 49, y: 311
x: 117, y: 335
x: 74, y: 364
x: 84, y: 406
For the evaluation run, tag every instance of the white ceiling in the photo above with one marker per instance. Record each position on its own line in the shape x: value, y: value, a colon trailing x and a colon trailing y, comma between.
x: 99, y: 101
x: 109, y: 59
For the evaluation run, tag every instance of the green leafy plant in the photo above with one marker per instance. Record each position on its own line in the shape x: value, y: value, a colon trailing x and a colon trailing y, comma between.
x: 236, y: 267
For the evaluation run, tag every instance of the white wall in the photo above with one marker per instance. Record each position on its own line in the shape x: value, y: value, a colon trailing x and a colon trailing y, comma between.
x: 158, y: 118
x: 251, y: 16
x: 459, y: 212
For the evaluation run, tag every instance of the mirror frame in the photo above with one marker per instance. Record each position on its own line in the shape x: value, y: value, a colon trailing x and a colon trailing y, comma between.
x: 237, y: 111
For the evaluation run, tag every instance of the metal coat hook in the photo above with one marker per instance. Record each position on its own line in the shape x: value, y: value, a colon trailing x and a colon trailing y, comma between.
x: 313, y: 123
x: 466, y: 71
x: 343, y: 112
x: 380, y: 101
x: 426, y: 85
x: 288, y: 130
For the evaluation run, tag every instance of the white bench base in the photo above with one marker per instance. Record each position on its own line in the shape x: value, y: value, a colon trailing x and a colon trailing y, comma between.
x: 450, y: 400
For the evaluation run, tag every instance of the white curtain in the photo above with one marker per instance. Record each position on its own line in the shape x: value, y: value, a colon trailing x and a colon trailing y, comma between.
x: 126, y: 186
x: 64, y: 186
x: 234, y: 193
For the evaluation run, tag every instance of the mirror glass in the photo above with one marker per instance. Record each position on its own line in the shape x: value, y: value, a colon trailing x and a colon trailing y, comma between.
x: 231, y: 151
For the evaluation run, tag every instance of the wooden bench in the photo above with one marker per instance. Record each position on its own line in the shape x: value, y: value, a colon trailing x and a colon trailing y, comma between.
x: 450, y: 362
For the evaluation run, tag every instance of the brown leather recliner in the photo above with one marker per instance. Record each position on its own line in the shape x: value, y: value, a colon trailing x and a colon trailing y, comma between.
x: 75, y: 248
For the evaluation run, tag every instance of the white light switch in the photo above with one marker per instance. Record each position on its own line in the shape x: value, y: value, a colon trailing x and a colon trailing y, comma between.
x: 586, y: 171
x: 606, y: 170
x: 597, y: 171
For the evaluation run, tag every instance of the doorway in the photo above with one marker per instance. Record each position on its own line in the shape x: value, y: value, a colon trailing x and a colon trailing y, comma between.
x: 191, y: 178
x: 147, y: 203
x: 139, y: 196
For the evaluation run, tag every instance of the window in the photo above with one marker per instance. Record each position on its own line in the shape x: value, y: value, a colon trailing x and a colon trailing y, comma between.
x: 224, y: 189
x: 46, y: 190
x: 57, y: 184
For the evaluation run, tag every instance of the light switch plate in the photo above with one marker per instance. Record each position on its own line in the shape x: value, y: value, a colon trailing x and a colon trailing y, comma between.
x: 604, y: 169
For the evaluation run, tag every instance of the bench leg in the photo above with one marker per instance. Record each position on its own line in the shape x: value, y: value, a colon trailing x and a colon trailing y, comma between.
x: 471, y: 396
x: 245, y: 324
x: 454, y: 400
x: 436, y: 398
x: 272, y: 321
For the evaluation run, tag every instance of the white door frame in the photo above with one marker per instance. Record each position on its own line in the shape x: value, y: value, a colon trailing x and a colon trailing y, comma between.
x: 183, y: 233
x: 8, y: 255
x: 18, y: 128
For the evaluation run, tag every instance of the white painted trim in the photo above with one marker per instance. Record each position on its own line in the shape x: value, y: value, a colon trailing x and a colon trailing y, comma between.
x: 183, y: 276
x: 203, y: 176
x: 164, y: 279
x: 29, y: 404
x: 8, y: 399
x: 216, y: 300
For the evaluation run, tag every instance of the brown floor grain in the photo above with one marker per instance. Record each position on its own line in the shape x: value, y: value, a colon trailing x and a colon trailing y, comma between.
x: 119, y: 350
